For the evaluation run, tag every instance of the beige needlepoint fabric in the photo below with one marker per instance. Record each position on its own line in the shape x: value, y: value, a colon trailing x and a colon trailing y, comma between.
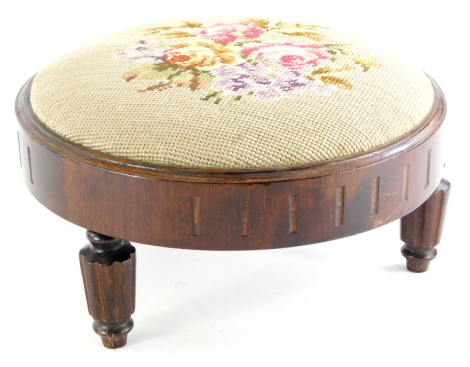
x: 231, y: 93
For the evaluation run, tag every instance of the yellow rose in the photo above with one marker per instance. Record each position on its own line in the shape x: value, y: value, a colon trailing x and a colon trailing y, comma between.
x: 200, y: 54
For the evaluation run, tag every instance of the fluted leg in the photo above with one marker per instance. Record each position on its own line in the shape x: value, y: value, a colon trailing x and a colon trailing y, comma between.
x: 108, y: 270
x: 421, y: 229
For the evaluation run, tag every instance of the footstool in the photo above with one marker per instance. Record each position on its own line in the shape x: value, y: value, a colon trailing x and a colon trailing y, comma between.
x: 229, y: 134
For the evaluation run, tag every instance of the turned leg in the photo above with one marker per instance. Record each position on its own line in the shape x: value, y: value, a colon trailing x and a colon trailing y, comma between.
x: 421, y: 229
x: 108, y: 270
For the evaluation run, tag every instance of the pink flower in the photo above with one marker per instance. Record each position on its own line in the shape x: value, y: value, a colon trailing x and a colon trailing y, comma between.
x: 288, y: 54
x: 225, y: 33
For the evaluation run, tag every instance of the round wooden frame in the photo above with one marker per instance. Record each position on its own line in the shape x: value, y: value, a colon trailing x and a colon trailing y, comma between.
x: 229, y: 209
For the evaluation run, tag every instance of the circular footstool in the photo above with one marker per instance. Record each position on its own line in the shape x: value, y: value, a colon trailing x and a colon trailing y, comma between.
x: 229, y: 134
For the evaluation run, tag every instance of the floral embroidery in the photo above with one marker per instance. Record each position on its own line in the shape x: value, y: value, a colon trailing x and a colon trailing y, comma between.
x: 226, y: 33
x: 287, y: 54
x: 253, y: 57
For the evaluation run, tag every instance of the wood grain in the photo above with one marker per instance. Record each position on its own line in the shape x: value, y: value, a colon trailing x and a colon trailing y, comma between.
x: 339, y: 213
x: 421, y: 230
x: 234, y: 209
x: 245, y: 216
x: 374, y: 210
x: 217, y: 209
x: 293, y: 213
x: 108, y: 271
x: 196, y: 207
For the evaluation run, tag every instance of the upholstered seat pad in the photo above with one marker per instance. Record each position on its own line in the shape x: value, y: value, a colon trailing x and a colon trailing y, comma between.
x: 231, y: 93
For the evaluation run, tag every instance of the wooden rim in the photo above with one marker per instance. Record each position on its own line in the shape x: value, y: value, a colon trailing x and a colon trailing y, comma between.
x: 38, y: 131
x: 210, y: 209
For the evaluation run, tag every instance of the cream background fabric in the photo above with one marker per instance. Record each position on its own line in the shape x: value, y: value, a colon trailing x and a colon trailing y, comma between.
x: 83, y: 97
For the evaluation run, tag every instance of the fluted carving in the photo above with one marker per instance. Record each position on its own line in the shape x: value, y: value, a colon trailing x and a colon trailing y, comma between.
x: 421, y: 230
x: 108, y: 270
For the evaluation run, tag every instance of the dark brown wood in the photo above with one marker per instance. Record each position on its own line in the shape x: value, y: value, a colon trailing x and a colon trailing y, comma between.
x: 230, y: 209
x: 108, y: 270
x: 421, y: 230
x: 223, y: 209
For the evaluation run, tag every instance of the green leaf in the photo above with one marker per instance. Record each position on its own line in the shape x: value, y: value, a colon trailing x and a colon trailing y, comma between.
x: 150, y: 72
x: 312, y: 35
x: 159, y: 86
x: 282, y: 24
x: 176, y: 34
x: 186, y: 24
x: 189, y: 79
x: 309, y: 26
x: 262, y: 23
x: 340, y: 82
x: 327, y: 70
x: 156, y: 30
x: 215, y: 95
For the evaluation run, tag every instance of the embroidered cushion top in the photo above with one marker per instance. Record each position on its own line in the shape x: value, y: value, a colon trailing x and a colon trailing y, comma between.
x: 231, y: 93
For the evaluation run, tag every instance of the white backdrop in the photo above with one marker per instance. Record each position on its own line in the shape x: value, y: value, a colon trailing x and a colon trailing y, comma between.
x: 342, y: 303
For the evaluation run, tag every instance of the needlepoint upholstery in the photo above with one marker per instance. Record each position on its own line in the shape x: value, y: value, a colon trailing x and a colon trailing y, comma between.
x: 231, y: 93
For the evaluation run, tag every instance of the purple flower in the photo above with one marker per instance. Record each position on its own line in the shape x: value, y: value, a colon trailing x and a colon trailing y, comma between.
x: 141, y: 52
x: 268, y: 93
x: 266, y: 82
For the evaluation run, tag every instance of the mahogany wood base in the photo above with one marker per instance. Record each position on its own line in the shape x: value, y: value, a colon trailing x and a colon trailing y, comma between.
x: 217, y: 209
x: 108, y: 266
x: 226, y: 209
x: 421, y: 230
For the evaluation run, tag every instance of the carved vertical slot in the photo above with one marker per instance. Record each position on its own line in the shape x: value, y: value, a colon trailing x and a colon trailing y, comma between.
x: 19, y: 148
x: 293, y: 213
x: 374, y: 210
x: 196, y: 203
x: 30, y: 166
x: 406, y: 182
x: 245, y: 217
x: 339, y: 210
x: 428, y: 169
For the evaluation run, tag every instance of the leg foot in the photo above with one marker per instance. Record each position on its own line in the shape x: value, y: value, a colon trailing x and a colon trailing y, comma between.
x: 114, y: 342
x: 113, y: 335
x: 108, y: 270
x: 418, y: 263
x: 421, y: 230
